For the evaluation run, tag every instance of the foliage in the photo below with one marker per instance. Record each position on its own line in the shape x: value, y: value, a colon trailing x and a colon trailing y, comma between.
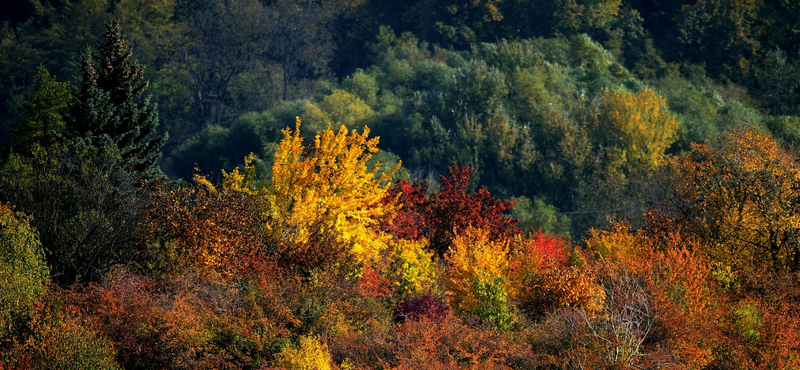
x: 326, y: 260
x: 637, y: 126
x: 185, y: 321
x: 478, y: 277
x: 62, y: 340
x: 85, y: 205
x: 23, y: 272
x: 452, y: 209
x: 310, y: 355
x: 410, y: 220
x: 737, y: 195
x: 538, y: 214
x: 326, y: 190
x: 338, y: 108
x: 443, y: 344
x: 107, y: 109
x: 412, y: 269
x: 421, y: 307
x: 212, y: 229
x: 45, y: 111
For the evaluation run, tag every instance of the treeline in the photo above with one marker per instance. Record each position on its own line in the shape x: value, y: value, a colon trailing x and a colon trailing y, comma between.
x: 528, y: 95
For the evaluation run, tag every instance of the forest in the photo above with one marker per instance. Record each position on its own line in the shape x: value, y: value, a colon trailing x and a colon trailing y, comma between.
x: 400, y: 184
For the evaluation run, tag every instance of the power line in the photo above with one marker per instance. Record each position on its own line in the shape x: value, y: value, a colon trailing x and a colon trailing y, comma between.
x: 517, y: 215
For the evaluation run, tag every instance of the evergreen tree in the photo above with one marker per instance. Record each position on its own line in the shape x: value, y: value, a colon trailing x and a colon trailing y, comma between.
x: 44, y: 121
x: 109, y: 108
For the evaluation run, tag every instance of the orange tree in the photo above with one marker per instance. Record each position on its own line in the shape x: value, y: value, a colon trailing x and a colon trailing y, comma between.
x: 740, y: 196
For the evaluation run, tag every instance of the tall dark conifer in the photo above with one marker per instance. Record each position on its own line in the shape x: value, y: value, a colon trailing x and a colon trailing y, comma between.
x: 110, y: 108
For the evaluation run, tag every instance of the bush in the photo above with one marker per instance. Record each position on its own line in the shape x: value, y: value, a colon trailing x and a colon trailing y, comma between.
x: 310, y: 355
x: 478, y: 277
x: 61, y: 340
x: 426, y: 306
x: 23, y: 272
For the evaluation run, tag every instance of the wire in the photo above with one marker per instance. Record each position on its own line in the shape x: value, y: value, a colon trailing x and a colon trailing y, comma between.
x: 579, y: 212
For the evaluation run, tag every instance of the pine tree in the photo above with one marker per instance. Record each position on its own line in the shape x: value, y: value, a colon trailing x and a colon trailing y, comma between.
x: 109, y: 108
x: 44, y: 122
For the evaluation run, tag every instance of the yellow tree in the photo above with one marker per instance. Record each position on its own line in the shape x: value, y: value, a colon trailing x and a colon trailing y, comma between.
x: 478, y: 277
x: 636, y: 129
x: 323, y: 200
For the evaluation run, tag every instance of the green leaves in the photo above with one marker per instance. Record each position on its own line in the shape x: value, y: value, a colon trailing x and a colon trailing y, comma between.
x: 44, y: 122
x: 109, y: 108
x: 84, y: 202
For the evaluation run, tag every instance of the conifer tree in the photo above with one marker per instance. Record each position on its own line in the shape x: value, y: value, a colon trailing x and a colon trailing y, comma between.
x: 46, y: 109
x: 109, y: 107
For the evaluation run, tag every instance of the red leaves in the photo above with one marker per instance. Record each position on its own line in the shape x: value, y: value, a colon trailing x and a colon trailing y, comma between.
x: 410, y: 222
x: 426, y: 306
x: 441, y: 215
x: 549, y: 247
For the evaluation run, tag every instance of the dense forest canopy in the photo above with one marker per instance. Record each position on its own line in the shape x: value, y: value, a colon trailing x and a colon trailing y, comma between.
x: 347, y: 184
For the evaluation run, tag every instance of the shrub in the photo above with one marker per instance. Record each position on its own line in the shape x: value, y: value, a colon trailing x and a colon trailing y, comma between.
x: 310, y: 355
x: 428, y: 306
x: 412, y: 269
x: 23, y: 272
x: 478, y: 277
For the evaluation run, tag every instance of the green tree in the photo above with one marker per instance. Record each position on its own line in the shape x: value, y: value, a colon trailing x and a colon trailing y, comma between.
x: 84, y: 201
x: 108, y: 107
x: 44, y: 121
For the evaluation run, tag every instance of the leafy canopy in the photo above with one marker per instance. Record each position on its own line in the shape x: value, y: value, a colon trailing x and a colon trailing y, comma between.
x: 326, y: 190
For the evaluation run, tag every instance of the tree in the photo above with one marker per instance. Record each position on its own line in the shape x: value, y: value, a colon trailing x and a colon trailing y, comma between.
x: 302, y: 43
x: 84, y: 202
x: 456, y: 23
x: 633, y: 129
x: 438, y: 217
x: 323, y: 202
x: 108, y: 108
x: 201, y: 226
x: 478, y: 276
x: 718, y: 33
x: 452, y: 208
x: 739, y: 195
x: 44, y: 122
x: 220, y: 41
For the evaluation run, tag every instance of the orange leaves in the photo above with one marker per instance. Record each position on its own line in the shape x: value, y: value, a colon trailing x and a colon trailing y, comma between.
x: 201, y: 226
x: 739, y: 196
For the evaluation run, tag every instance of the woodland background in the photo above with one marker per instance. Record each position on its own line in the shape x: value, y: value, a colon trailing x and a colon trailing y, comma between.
x: 357, y: 184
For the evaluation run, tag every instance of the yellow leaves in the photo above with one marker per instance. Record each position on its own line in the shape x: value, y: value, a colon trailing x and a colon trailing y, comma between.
x: 203, y: 182
x: 241, y: 182
x: 311, y: 355
x: 638, y: 125
x: 327, y: 189
x: 475, y: 259
x: 617, y: 244
x: 340, y: 107
x: 23, y: 270
x: 412, y: 269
